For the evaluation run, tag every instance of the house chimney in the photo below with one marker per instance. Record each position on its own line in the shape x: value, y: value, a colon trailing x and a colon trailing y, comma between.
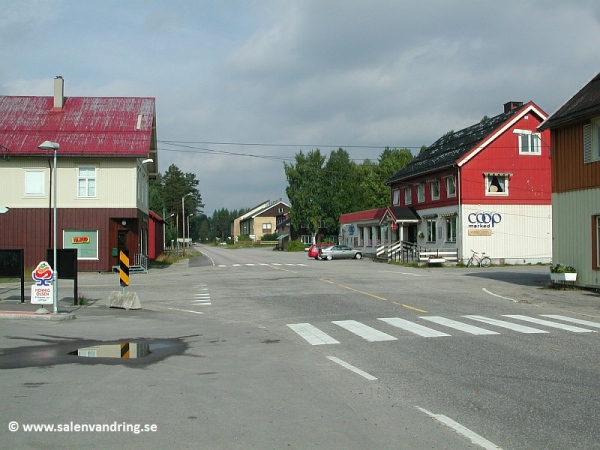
x: 59, y: 93
x: 512, y: 105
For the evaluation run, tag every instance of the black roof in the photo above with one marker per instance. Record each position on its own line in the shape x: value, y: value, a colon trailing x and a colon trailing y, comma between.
x: 404, y: 212
x: 450, y: 148
x: 584, y: 104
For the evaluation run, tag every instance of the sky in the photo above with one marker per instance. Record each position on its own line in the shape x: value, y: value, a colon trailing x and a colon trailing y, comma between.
x: 241, y: 87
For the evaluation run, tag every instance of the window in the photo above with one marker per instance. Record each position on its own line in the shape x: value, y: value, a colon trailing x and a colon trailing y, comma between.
x: 86, y: 182
x: 451, y: 229
x: 496, y: 184
x: 591, y: 141
x: 407, y: 195
x: 435, y: 189
x: 396, y: 197
x: 529, y: 142
x: 421, y: 192
x: 34, y: 183
x: 85, y: 241
x: 306, y: 239
x: 431, y: 236
x: 266, y: 227
x: 451, y: 186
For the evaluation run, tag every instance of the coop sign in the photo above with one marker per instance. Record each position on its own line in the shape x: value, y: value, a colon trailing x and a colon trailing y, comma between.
x: 484, y: 219
x: 41, y: 291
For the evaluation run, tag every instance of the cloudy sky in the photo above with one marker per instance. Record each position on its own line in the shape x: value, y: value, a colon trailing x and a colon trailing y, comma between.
x: 242, y: 86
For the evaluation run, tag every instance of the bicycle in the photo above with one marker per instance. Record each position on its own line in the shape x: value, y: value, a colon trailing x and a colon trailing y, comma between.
x: 483, y: 261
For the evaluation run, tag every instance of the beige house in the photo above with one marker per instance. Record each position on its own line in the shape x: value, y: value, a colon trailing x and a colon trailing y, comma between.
x: 260, y: 220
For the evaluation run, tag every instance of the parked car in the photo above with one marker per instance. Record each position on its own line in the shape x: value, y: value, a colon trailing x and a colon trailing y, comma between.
x: 313, y: 251
x: 339, y: 252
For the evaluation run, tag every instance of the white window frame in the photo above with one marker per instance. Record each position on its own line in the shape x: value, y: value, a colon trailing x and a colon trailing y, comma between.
x: 591, y: 141
x: 435, y: 189
x: 420, y: 192
x: 267, y: 227
x: 495, y: 179
x: 451, y: 223
x: 34, y: 183
x: 451, y: 183
x: 86, y: 179
x: 431, y: 230
x: 395, y: 197
x: 408, y: 195
x: 530, y: 143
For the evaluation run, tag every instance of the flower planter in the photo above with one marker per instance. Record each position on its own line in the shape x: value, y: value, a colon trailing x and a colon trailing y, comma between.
x: 563, y: 276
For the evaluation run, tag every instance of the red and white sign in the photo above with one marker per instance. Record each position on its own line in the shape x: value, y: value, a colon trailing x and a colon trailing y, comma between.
x: 41, y: 295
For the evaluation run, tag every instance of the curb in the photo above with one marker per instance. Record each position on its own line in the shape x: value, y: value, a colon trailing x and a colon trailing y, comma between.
x: 33, y: 316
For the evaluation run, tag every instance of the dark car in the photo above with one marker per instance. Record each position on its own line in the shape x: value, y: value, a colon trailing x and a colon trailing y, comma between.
x: 313, y: 251
x: 339, y: 252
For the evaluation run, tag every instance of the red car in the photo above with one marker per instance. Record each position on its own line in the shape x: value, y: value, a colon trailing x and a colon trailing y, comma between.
x: 313, y: 251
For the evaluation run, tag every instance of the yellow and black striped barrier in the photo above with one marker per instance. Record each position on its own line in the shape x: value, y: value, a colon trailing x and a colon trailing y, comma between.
x: 124, y: 267
x: 124, y: 349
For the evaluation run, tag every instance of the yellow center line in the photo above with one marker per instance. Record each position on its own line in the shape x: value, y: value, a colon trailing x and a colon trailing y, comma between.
x: 356, y: 290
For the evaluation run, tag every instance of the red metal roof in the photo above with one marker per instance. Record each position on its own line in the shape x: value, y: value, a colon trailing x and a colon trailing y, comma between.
x: 363, y: 216
x: 85, y: 126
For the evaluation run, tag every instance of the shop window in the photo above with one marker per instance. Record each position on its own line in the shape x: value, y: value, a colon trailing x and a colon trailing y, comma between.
x: 451, y: 229
x: 431, y: 233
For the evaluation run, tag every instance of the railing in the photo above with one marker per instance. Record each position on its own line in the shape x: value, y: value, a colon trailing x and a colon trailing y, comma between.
x: 408, y: 252
x: 140, y: 263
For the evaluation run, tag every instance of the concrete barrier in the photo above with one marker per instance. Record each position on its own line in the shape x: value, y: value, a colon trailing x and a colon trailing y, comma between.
x: 128, y: 300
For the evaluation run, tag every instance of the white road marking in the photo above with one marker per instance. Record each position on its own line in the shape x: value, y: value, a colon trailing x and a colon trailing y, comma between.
x: 413, y: 327
x: 460, y: 429
x: 547, y: 323
x: 496, y: 295
x: 364, y: 331
x: 312, y: 334
x: 352, y: 368
x: 186, y: 310
x: 458, y: 325
x: 569, y: 319
x: 509, y: 325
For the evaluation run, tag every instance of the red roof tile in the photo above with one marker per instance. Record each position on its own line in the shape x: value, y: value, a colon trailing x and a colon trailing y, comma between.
x: 86, y: 126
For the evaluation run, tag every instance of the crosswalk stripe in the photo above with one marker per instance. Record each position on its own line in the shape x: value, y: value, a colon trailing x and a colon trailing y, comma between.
x: 509, y: 325
x: 569, y: 319
x: 547, y: 323
x: 364, y: 331
x: 312, y: 334
x: 458, y: 325
x: 413, y: 327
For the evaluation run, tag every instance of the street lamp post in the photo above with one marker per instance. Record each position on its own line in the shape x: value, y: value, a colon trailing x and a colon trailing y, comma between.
x: 183, y: 218
x: 188, y: 225
x: 48, y: 145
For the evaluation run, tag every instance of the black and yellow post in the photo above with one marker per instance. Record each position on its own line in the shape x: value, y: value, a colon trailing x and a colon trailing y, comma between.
x: 124, y: 349
x: 124, y: 268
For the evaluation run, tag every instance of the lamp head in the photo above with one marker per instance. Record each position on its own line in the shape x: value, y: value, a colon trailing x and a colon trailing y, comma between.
x: 49, y: 145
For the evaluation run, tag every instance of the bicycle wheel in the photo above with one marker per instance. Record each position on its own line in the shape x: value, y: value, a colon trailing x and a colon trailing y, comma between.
x: 486, y: 262
x: 470, y: 262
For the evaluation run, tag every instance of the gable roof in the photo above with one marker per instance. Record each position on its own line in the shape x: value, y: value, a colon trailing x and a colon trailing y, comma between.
x: 258, y: 210
x: 84, y: 126
x: 584, y: 104
x: 363, y: 216
x: 450, y: 149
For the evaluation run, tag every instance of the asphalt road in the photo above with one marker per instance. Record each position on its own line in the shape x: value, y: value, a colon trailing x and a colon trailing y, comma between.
x: 257, y: 348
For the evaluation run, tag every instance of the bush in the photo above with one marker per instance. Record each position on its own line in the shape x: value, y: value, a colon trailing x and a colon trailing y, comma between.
x: 296, y: 246
x: 269, y: 237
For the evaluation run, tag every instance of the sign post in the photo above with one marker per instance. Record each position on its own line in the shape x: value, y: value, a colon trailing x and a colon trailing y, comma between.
x: 42, y: 292
x: 124, y: 268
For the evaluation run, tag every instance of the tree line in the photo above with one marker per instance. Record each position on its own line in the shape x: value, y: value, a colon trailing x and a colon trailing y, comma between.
x: 320, y: 189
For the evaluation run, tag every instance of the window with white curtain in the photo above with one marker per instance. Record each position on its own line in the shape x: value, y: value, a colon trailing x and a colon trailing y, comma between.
x: 34, y: 183
x: 86, y: 182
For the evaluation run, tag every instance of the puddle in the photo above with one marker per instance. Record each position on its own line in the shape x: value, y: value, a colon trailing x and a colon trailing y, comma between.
x: 125, y: 350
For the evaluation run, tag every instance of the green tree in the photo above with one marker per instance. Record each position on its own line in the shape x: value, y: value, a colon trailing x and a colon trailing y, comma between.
x: 390, y: 162
x: 305, y: 190
x: 338, y: 188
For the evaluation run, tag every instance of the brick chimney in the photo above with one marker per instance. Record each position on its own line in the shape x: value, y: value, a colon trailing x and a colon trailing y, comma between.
x: 59, y: 93
x: 512, y: 105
